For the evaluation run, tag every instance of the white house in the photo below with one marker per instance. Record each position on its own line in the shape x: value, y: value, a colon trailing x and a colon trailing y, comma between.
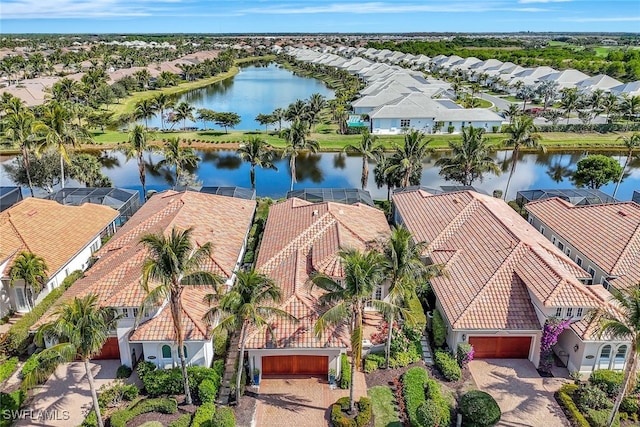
x: 64, y: 236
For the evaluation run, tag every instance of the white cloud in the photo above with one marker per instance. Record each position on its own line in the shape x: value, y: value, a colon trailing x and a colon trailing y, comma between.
x: 28, y: 9
x: 603, y: 19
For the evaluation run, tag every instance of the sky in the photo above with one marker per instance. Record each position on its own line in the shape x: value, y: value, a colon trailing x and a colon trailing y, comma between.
x: 317, y: 16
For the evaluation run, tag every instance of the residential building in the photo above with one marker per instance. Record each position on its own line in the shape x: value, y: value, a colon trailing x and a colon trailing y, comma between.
x: 66, y: 237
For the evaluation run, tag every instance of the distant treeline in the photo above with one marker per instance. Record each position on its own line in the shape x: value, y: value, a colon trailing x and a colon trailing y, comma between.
x: 621, y: 63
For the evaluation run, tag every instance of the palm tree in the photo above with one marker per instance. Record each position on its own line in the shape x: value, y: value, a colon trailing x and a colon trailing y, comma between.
x: 570, y: 100
x: 631, y: 143
x: 526, y: 93
x: 248, y: 304
x: 383, y: 176
x: 32, y: 270
x: 346, y: 300
x: 629, y: 105
x: 521, y: 135
x: 61, y: 132
x: 136, y: 147
x: 314, y: 106
x: 469, y: 158
x: 512, y: 112
x: 296, y: 138
x: 255, y: 151
x: 622, y: 323
x: 81, y: 328
x: 368, y: 148
x: 172, y: 264
x: 407, y: 159
x: 404, y: 270
x: 178, y: 157
x: 279, y: 115
x: 297, y: 111
x: 145, y: 109
x: 163, y: 102
x: 548, y: 90
x: 21, y: 129
x: 183, y: 112
x: 610, y: 105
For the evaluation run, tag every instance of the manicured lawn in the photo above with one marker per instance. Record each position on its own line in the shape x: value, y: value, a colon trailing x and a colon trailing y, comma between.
x: 384, y: 411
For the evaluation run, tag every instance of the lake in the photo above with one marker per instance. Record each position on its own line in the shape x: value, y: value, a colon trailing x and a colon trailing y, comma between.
x: 254, y: 90
x: 336, y: 170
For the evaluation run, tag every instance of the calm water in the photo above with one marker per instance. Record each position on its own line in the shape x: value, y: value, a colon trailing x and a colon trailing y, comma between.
x: 224, y: 168
x: 254, y: 90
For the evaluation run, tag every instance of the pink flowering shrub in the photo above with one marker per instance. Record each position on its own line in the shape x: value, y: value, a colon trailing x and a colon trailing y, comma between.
x: 553, y: 327
x: 464, y: 354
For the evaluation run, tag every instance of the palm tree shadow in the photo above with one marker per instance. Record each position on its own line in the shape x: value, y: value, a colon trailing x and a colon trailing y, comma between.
x: 287, y: 401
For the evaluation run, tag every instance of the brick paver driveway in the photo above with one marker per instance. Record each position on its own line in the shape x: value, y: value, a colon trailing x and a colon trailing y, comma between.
x: 299, y: 402
x: 524, y: 397
x: 65, y: 398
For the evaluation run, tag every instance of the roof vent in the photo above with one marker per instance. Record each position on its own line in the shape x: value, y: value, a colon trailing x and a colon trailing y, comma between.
x: 32, y: 213
x: 315, y: 212
x: 621, y: 213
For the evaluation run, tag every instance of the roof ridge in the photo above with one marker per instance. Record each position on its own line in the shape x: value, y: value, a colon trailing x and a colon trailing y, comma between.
x: 454, y: 224
x: 631, y: 243
x: 24, y: 242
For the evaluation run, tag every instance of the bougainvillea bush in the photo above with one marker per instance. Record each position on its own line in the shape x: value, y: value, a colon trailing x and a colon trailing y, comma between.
x: 465, y: 353
x: 553, y: 327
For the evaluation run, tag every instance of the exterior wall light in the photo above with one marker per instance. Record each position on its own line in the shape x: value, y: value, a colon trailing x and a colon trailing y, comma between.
x: 576, y: 348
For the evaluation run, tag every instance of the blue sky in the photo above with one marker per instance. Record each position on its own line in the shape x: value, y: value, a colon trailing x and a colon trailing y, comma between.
x: 313, y: 16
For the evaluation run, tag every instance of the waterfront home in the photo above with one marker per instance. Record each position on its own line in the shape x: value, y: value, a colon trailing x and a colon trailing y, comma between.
x: 115, y: 278
x: 603, y: 239
x: 504, y: 281
x: 300, y: 238
x: 64, y: 236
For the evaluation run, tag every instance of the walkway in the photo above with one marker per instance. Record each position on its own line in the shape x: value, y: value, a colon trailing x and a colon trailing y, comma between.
x: 230, y: 369
x: 299, y: 402
x: 525, y: 398
x: 426, y: 350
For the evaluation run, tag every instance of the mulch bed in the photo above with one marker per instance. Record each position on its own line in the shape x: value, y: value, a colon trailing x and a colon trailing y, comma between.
x: 165, y: 419
x: 245, y: 410
x: 385, y: 377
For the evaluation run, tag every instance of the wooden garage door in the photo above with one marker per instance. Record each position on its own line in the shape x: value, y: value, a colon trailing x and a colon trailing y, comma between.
x: 501, y: 347
x: 110, y: 350
x: 295, y: 365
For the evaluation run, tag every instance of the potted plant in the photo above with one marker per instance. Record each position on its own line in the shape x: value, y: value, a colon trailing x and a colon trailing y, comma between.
x: 256, y: 376
x: 332, y: 376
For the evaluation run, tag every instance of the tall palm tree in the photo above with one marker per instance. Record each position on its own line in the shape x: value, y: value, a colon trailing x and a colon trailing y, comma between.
x: 60, y: 133
x: 296, y: 138
x: 178, y: 157
x: 622, y: 323
x: 162, y: 102
x: 183, y: 112
x: 382, y: 175
x: 22, y: 130
x: 610, y: 105
x: 512, y: 112
x: 173, y: 263
x: 404, y: 269
x: 32, y: 270
x: 297, y: 111
x: 521, y: 134
x: 279, y: 115
x: 135, y: 148
x: 346, y: 300
x: 631, y: 143
x: 315, y: 104
x: 368, y: 148
x: 248, y: 304
x: 570, y: 100
x: 526, y: 93
x: 629, y: 105
x: 407, y: 159
x: 81, y: 327
x: 144, y: 110
x: 469, y: 158
x: 255, y: 151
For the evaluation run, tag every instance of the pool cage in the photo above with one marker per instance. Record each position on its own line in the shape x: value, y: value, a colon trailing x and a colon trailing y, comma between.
x: 9, y: 196
x: 575, y: 196
x: 125, y: 201
x: 636, y: 197
x: 347, y: 196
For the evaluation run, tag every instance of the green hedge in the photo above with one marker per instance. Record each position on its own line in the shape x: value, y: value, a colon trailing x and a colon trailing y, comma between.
x: 413, y: 392
x: 373, y: 361
x: 163, y: 405
x: 599, y: 418
x: 340, y: 419
x: 183, y: 421
x: 7, y: 368
x: 224, y: 417
x: 439, y: 329
x: 204, y: 415
x: 479, y: 409
x: 447, y: 365
x: 345, y: 372
x: 159, y: 382
x: 18, y: 336
x: 10, y: 402
x: 565, y: 398
x: 220, y: 342
x: 417, y: 312
x: 434, y: 395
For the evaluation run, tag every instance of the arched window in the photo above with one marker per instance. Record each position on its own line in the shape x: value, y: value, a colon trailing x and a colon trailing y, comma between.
x: 166, y: 352
x: 621, y: 355
x: 604, y: 360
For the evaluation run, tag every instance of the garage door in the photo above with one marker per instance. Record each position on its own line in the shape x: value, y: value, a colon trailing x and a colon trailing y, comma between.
x: 501, y: 347
x: 110, y: 350
x: 295, y: 365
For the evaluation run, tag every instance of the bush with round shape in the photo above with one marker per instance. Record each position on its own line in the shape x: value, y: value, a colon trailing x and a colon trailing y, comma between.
x: 591, y: 397
x: 479, y: 409
x: 224, y: 417
x: 607, y: 380
x: 123, y: 371
x: 630, y: 405
x: 428, y: 414
x: 447, y: 365
x: 204, y: 415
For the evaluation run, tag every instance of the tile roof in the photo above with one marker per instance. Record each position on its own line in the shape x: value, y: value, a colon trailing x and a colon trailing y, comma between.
x: 301, y: 237
x: 223, y: 221
x: 607, y: 234
x: 50, y: 230
x: 496, y: 262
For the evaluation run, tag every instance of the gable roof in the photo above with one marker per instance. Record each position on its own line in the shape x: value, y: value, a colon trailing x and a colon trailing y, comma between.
x: 301, y: 237
x: 50, y: 230
x: 496, y: 262
x: 607, y: 234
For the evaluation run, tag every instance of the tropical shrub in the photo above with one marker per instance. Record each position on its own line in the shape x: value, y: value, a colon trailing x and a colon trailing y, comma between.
x: 591, y: 397
x: 553, y: 327
x: 123, y: 371
x: 447, y: 365
x: 207, y: 391
x: 433, y: 394
x: 183, y: 421
x: 464, y: 354
x: 345, y: 372
x: 163, y: 405
x: 607, y: 380
x: 112, y: 396
x: 10, y: 402
x: 565, y: 397
x: 224, y: 417
x: 600, y: 418
x: 413, y: 391
x: 204, y: 415
x: 428, y: 414
x: 630, y: 405
x: 7, y: 368
x: 91, y: 420
x: 479, y: 409
x: 340, y: 419
x: 439, y: 329
x: 417, y: 312
x: 159, y: 382
x: 220, y: 342
x: 370, y: 366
